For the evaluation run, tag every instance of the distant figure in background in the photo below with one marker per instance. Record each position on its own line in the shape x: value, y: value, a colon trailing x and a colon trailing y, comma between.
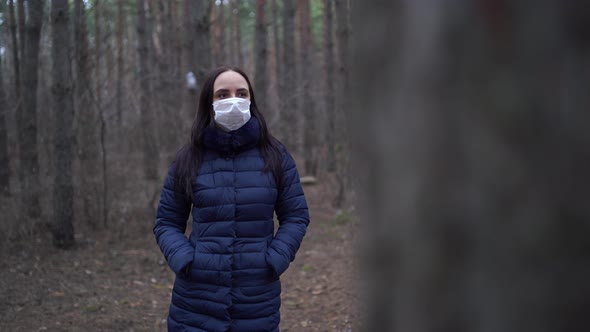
x: 235, y: 175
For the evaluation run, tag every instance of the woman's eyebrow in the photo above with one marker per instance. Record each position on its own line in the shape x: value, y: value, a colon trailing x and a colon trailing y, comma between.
x: 222, y: 90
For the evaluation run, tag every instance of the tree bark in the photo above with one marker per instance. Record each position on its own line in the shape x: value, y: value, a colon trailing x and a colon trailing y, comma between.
x: 87, y: 136
x: 342, y: 13
x: 238, y: 34
x: 63, y: 230
x: 475, y: 162
x: 15, y: 56
x: 197, y: 48
x: 150, y: 150
x: 168, y: 86
x: 4, y: 157
x: 308, y: 104
x: 20, y: 8
x: 288, y: 81
x: 97, y: 53
x: 329, y: 60
x: 120, y: 61
x: 220, y: 45
x: 202, y: 40
x: 261, y: 59
x: 27, y: 120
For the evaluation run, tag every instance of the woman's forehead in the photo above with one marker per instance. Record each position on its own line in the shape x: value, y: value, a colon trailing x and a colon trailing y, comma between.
x: 230, y: 80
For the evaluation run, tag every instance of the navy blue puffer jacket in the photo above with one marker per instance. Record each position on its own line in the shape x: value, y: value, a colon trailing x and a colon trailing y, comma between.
x: 227, y: 271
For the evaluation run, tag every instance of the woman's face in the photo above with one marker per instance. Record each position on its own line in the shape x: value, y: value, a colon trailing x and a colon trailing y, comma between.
x: 230, y: 84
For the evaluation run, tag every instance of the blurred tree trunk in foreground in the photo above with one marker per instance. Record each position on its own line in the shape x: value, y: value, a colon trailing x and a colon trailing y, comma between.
x: 63, y: 195
x: 471, y: 130
x: 27, y: 119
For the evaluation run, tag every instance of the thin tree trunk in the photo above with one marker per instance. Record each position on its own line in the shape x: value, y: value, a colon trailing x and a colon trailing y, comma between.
x: 332, y: 122
x: 4, y: 157
x: 150, y: 150
x: 15, y: 56
x: 342, y: 10
x: 108, y: 49
x: 219, y: 47
x: 27, y: 121
x: 238, y: 32
x: 169, y: 88
x: 276, y: 56
x: 203, y: 51
x: 97, y: 53
x: 120, y: 62
x: 87, y: 136
x: 20, y: 8
x: 197, y: 48
x: 63, y: 230
x: 261, y: 58
x: 308, y: 104
x: 216, y: 42
x: 177, y: 38
x: 232, y: 58
x: 288, y: 81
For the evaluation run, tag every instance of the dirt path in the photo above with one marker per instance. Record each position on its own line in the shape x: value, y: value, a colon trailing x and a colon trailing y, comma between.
x: 120, y: 282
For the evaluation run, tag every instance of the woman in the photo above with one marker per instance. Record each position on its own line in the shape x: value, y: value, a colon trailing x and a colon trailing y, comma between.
x: 234, y: 175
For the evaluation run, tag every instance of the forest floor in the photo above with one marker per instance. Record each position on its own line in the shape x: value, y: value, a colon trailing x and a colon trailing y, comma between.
x: 119, y: 281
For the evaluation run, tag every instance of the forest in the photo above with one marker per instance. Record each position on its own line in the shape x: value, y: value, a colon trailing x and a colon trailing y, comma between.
x: 443, y: 148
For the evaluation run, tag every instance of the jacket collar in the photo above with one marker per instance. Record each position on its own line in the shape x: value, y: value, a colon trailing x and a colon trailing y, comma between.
x: 232, y: 142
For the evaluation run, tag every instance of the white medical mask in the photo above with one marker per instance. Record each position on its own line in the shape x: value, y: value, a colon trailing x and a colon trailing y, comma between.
x: 231, y: 113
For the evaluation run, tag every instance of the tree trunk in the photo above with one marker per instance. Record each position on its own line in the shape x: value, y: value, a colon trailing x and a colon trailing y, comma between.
x: 342, y: 10
x: 63, y: 230
x: 308, y: 104
x: 108, y: 49
x: 261, y: 58
x: 4, y: 157
x: 220, y: 46
x: 20, y: 8
x: 477, y: 172
x: 87, y: 136
x: 238, y: 34
x: 202, y: 40
x: 150, y: 150
x: 168, y: 86
x: 216, y: 42
x: 15, y: 56
x: 197, y: 48
x: 329, y: 60
x: 27, y: 121
x: 288, y: 81
x: 97, y: 53
x: 120, y: 62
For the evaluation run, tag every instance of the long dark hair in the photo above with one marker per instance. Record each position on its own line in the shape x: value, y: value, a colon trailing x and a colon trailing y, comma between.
x: 189, y: 156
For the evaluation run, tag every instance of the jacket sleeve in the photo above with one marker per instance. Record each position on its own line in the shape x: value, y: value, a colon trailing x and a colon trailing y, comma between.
x: 292, y: 212
x: 173, y: 211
